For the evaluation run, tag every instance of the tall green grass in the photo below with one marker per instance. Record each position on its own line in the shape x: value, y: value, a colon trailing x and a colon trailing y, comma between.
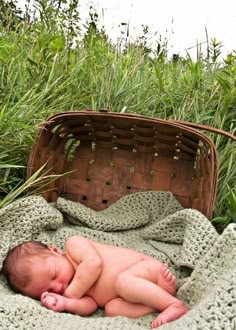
x: 44, y: 69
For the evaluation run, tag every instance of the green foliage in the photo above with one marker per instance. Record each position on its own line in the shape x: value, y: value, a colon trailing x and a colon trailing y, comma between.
x: 47, y: 65
x: 10, y: 15
x: 32, y: 186
x: 230, y: 214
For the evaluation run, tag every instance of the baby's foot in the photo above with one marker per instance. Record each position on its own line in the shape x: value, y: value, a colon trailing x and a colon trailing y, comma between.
x: 171, y: 313
x: 167, y: 280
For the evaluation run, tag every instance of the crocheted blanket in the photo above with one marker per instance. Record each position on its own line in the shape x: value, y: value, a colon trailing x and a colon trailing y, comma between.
x: 151, y: 222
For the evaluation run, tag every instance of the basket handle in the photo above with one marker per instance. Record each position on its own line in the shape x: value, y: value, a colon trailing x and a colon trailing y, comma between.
x: 206, y: 128
x: 193, y: 125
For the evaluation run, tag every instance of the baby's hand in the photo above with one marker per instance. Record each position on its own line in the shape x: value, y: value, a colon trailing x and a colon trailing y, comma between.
x: 53, y: 301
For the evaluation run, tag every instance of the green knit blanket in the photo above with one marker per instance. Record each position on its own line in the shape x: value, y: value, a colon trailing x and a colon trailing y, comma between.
x: 151, y: 222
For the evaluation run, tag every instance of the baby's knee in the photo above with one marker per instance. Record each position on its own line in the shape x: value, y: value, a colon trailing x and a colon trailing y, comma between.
x: 110, y: 309
x: 122, y: 282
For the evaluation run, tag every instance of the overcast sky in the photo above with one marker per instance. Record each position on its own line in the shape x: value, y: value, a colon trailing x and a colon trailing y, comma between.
x: 182, y: 22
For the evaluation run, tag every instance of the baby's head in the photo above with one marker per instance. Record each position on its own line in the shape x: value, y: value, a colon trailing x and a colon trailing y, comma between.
x: 33, y: 268
x: 20, y: 262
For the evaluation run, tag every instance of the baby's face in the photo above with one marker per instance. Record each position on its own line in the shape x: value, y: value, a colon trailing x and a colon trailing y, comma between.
x: 52, y: 273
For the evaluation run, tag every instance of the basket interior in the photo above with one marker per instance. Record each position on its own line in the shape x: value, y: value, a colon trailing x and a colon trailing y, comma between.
x: 112, y: 155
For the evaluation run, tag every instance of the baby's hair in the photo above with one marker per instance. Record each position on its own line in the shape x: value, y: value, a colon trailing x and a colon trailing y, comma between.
x: 19, y: 262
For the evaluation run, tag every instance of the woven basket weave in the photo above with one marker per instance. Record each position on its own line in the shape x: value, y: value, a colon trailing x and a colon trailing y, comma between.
x: 113, y: 154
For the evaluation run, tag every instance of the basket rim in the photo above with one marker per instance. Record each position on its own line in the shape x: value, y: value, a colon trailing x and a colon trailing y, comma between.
x: 88, y: 112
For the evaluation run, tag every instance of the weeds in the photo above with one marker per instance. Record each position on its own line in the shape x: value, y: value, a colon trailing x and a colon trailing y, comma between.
x: 35, y: 185
x: 48, y: 66
x: 230, y: 214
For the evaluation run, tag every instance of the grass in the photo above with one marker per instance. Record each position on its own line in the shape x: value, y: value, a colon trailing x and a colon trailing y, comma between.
x: 41, y: 74
x: 32, y: 186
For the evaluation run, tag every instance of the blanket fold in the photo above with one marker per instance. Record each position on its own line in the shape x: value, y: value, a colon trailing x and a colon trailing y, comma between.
x: 151, y: 222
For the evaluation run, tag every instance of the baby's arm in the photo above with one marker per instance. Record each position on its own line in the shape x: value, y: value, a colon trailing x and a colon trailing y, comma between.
x: 57, y: 303
x: 88, y: 265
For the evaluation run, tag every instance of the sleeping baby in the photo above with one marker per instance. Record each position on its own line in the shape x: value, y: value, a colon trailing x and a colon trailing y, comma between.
x: 90, y: 275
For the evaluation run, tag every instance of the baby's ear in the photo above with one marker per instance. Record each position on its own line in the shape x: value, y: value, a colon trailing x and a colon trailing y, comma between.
x: 55, y: 250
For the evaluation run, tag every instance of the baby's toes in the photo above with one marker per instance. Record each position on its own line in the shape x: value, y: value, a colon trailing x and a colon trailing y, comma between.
x: 156, y: 323
x: 164, y: 269
x: 173, y: 278
x: 167, y: 274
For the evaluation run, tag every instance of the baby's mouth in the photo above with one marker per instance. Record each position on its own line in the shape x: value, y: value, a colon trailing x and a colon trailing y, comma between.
x: 63, y: 289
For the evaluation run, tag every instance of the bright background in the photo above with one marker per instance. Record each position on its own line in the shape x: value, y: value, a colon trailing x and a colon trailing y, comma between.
x: 182, y: 22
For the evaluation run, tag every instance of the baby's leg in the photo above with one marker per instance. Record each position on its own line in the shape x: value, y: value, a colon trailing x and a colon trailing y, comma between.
x: 137, y: 285
x: 120, y: 307
x: 171, y: 313
x: 159, y: 273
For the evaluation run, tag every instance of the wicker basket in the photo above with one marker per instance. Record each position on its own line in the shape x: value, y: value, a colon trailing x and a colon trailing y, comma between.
x: 114, y: 154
